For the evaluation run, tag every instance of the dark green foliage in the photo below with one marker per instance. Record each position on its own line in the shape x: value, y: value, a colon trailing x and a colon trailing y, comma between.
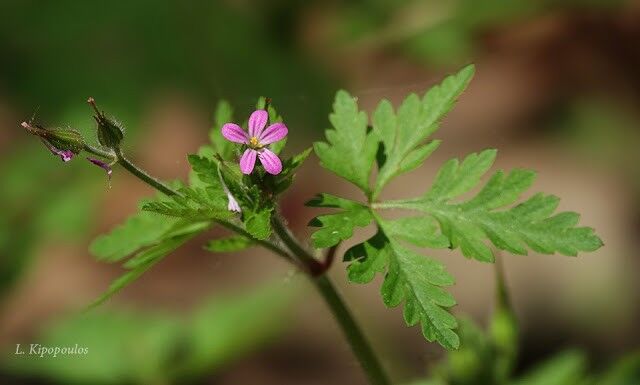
x: 397, y: 143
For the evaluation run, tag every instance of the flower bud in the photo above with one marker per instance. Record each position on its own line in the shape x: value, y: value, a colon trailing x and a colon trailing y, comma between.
x: 110, y: 132
x: 62, y: 142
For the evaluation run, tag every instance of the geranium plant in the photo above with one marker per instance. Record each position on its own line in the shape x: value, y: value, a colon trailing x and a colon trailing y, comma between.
x: 236, y: 181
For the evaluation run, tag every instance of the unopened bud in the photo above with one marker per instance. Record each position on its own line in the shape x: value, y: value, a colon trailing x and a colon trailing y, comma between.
x: 110, y: 132
x: 64, y: 143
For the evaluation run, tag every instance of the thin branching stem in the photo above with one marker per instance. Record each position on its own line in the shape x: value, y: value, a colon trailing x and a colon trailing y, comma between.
x: 299, y: 256
x: 352, y: 331
x: 143, y: 175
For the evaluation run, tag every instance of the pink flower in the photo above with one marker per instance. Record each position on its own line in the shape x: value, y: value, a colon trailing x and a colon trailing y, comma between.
x: 257, y: 139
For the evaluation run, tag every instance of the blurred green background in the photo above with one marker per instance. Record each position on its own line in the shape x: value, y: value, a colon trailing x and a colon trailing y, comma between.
x: 557, y: 90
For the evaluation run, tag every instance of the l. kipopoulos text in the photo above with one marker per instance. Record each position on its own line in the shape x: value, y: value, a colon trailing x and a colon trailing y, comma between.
x: 51, y: 351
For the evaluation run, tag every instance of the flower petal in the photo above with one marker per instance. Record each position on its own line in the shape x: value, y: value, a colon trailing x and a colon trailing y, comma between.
x: 257, y: 121
x: 65, y: 155
x: 248, y: 160
x: 234, y: 133
x: 103, y: 165
x: 233, y: 204
x: 270, y: 161
x: 273, y: 133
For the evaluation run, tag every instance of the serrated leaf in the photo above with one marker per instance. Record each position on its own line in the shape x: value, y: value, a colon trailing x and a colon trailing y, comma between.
x: 422, y: 231
x: 139, y: 230
x: 206, y: 169
x: 229, y: 244
x: 350, y: 150
x: 415, y: 158
x: 410, y: 278
x: 402, y: 134
x: 338, y: 226
x: 193, y: 203
x: 529, y: 224
x: 454, y: 179
x: 258, y: 223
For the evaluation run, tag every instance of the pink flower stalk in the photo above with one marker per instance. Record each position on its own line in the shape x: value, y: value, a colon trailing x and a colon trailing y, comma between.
x: 257, y: 139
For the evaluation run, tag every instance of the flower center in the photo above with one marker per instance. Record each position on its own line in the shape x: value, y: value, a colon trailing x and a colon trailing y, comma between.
x: 254, y: 143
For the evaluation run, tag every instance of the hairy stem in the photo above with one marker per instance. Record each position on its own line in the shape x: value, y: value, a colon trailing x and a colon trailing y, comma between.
x: 353, y: 333
x: 142, y: 175
x: 359, y: 344
x: 298, y: 256
x: 108, y: 154
x: 162, y: 187
x: 314, y: 267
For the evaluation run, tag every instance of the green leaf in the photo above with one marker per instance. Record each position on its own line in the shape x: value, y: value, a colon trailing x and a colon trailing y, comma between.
x: 281, y: 182
x: 350, y: 150
x: 139, y: 230
x: 454, y: 179
x: 402, y: 134
x: 229, y: 244
x: 183, y: 228
x: 258, y: 222
x: 421, y: 231
x: 410, y: 278
x: 223, y: 114
x: 338, y: 226
x: 204, y: 199
x: 257, y: 207
x: 399, y: 142
x: 142, y: 262
x: 206, y: 169
x: 469, y: 224
x: 193, y: 203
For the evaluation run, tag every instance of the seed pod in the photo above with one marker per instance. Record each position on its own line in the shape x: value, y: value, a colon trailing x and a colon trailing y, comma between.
x: 110, y: 132
x: 62, y: 142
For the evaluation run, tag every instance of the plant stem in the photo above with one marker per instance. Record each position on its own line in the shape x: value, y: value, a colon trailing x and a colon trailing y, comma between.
x: 359, y: 344
x: 159, y: 185
x: 262, y: 242
x: 350, y: 328
x: 314, y: 266
x: 142, y: 175
x: 108, y: 154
